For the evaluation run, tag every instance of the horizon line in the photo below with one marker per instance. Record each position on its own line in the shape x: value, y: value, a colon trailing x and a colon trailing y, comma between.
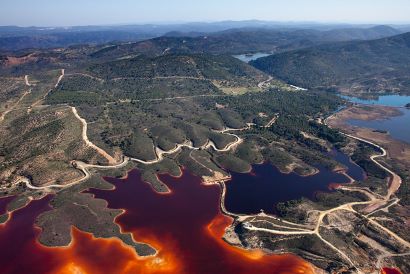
x: 169, y: 23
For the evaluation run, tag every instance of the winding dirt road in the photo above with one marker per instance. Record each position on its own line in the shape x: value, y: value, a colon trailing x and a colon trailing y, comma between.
x: 286, y: 227
x: 84, y: 168
x: 60, y: 78
x: 263, y: 84
x: 188, y: 144
x: 3, y: 115
x: 36, y: 103
x: 26, y: 81
x: 102, y: 152
x: 395, y: 180
x: 375, y: 203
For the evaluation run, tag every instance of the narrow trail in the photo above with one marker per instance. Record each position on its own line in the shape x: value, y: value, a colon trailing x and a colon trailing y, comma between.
x: 263, y: 84
x: 316, y: 230
x: 83, y: 167
x: 286, y: 227
x: 60, y: 78
x: 188, y: 144
x: 39, y: 101
x: 85, y: 75
x: 271, y: 122
x: 102, y: 152
x: 298, y: 88
x: 374, y: 205
x: 260, y: 85
x: 160, y: 77
x: 3, y: 115
x: 27, y: 83
x: 127, y: 101
x: 395, y: 181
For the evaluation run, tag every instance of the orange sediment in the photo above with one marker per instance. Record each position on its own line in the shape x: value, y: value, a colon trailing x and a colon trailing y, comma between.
x: 185, y: 227
x: 387, y: 270
x: 257, y: 258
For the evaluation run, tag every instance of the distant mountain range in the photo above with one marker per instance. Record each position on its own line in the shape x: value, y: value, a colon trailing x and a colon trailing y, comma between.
x: 277, y: 34
x: 161, y: 29
x: 244, y: 40
x: 352, y: 59
x: 359, y: 66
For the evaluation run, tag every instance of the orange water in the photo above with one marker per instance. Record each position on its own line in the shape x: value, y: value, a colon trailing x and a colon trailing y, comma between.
x: 185, y: 226
x: 387, y: 270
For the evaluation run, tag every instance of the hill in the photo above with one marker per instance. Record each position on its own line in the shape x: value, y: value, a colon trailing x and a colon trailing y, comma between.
x: 347, y: 34
x: 144, y: 77
x: 184, y: 65
x: 244, y: 40
x: 56, y: 40
x: 377, y: 65
x: 71, y: 117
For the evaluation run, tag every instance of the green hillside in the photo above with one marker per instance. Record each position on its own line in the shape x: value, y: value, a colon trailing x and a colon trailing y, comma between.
x: 244, y: 40
x: 183, y: 65
x: 165, y: 76
x: 377, y: 65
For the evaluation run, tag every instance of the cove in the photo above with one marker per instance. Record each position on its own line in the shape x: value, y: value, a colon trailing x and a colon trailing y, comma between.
x: 4, y: 202
x: 353, y: 169
x: 250, y: 57
x: 185, y: 226
x: 398, y: 126
x: 266, y: 186
x: 381, y: 100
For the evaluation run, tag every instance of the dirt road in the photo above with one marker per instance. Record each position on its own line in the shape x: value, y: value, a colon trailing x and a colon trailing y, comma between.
x: 102, y: 152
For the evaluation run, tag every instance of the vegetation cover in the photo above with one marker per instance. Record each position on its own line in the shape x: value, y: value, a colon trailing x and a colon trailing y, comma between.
x: 355, y: 67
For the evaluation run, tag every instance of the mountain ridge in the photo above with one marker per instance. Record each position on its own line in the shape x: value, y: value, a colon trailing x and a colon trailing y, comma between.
x: 376, y: 65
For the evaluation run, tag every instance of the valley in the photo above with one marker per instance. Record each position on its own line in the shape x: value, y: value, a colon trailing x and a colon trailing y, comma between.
x: 176, y: 155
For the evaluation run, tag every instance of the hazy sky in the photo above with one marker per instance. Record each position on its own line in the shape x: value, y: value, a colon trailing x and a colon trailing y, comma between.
x: 97, y: 12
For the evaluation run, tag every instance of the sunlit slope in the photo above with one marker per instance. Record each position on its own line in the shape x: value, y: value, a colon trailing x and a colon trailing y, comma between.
x: 378, y: 65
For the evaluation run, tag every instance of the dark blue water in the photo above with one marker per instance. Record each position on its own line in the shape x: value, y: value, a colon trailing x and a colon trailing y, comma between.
x: 398, y: 126
x: 266, y: 186
x: 384, y: 100
x: 353, y: 170
x: 250, y: 57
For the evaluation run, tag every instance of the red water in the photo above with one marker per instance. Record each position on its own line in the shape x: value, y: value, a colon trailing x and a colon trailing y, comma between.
x: 185, y: 226
x: 3, y: 204
x: 20, y: 253
x: 387, y: 270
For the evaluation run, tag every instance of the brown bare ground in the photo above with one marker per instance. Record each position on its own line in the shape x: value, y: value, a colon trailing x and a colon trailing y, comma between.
x: 15, y: 61
x: 396, y: 149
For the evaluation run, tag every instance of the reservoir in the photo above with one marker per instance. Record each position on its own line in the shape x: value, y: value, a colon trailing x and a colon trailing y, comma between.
x: 266, y: 186
x: 185, y: 227
x: 3, y: 204
x: 250, y: 57
x: 398, y: 126
x: 383, y: 100
x: 353, y: 170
